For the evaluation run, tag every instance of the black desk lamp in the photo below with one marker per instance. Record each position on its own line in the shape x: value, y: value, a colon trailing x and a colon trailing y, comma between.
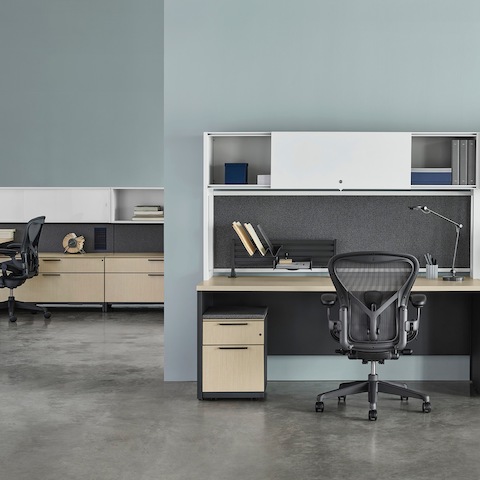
x: 453, y: 277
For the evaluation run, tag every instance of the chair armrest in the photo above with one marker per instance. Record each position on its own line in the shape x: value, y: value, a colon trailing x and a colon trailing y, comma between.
x: 328, y: 299
x: 15, y: 245
x: 418, y: 300
x: 9, y: 252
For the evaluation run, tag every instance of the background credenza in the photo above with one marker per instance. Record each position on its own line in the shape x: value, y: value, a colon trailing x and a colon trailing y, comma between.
x: 95, y: 278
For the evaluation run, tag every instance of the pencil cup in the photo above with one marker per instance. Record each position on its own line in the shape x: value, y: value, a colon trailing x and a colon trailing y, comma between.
x: 432, y: 271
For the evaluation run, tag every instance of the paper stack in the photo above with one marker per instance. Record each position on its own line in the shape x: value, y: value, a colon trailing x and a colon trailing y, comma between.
x: 147, y: 213
x: 7, y: 235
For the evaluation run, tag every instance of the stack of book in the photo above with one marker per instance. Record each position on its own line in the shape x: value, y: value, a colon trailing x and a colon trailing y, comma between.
x: 145, y: 213
x: 7, y: 235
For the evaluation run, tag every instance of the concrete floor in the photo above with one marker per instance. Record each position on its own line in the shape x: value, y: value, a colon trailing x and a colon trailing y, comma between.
x: 82, y: 397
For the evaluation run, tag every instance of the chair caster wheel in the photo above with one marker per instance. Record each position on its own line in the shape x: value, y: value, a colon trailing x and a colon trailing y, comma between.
x: 426, y: 407
x: 319, y: 406
x: 403, y: 399
x: 343, y: 399
x: 13, y: 319
x: 47, y: 315
x: 372, y: 415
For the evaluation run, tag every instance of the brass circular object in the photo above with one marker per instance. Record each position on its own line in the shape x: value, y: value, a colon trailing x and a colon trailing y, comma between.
x: 73, y: 244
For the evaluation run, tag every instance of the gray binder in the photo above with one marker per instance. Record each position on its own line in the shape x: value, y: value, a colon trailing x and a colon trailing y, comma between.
x: 463, y: 162
x: 455, y: 162
x: 471, y: 162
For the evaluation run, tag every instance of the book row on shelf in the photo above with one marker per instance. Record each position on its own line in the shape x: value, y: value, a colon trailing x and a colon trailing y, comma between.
x: 147, y: 213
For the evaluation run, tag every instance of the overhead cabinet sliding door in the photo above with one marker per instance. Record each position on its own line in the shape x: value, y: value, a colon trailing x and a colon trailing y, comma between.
x: 341, y: 160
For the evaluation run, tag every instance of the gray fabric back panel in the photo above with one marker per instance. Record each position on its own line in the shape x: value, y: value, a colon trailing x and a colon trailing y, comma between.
x: 120, y: 237
x: 383, y: 223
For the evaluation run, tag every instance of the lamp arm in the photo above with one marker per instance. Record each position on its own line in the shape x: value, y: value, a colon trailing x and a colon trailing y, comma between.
x: 457, y: 228
x: 457, y: 225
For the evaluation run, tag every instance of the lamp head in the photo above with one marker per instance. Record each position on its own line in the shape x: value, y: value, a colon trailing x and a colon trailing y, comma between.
x: 423, y: 209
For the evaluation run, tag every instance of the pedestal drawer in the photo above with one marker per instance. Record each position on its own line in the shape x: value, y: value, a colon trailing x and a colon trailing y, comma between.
x: 134, y: 287
x: 63, y: 288
x: 233, y: 332
x: 233, y: 368
x: 71, y: 264
x: 134, y: 264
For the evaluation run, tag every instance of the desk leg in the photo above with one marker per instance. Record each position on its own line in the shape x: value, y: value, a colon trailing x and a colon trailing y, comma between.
x: 200, y: 310
x: 475, y: 348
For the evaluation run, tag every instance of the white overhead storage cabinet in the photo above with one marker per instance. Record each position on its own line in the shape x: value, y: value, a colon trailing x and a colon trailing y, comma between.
x: 341, y: 160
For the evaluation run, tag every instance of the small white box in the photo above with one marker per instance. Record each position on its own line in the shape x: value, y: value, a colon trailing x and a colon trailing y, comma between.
x: 263, y: 180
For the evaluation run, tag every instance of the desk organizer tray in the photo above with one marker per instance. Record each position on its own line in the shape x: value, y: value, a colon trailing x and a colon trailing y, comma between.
x: 304, y: 254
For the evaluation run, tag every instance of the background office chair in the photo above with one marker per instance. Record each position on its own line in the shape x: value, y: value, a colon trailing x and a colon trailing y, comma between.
x: 23, y: 264
x: 373, y: 290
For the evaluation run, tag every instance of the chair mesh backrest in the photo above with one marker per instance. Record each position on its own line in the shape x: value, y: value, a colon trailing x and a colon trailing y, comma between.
x: 373, y: 286
x: 29, y: 249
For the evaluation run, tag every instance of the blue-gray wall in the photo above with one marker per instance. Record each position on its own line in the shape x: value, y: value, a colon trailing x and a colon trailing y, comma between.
x: 81, y: 93
x: 262, y: 65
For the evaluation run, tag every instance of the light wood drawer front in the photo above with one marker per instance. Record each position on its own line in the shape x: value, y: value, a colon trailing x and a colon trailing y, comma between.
x: 134, y: 287
x: 233, y: 369
x: 233, y: 332
x: 132, y: 265
x: 63, y: 288
x: 71, y: 264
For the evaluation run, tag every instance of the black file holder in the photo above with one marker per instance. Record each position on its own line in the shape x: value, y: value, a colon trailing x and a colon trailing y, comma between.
x: 316, y: 252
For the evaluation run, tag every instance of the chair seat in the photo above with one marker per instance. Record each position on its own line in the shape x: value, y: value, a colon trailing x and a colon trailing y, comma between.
x: 373, y: 356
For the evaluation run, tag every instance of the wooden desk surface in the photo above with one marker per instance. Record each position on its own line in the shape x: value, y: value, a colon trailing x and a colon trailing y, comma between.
x: 318, y: 284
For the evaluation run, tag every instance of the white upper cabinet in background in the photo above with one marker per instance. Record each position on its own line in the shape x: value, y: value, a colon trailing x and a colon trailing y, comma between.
x: 62, y: 205
x: 82, y: 205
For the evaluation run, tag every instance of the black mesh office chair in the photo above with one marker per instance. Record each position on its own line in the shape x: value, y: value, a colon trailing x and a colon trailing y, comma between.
x: 373, y: 290
x: 23, y: 264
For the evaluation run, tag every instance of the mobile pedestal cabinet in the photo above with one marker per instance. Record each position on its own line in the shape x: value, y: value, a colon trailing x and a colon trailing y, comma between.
x: 232, y: 353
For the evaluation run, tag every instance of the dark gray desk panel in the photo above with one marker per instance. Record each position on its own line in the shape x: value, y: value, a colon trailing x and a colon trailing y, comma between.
x: 298, y: 325
x: 475, y: 355
x: 356, y: 222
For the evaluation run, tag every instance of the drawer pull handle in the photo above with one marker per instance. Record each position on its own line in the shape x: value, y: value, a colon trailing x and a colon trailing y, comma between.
x: 51, y: 259
x: 155, y: 259
x: 155, y: 274
x: 51, y: 274
x: 233, y: 324
x: 233, y: 348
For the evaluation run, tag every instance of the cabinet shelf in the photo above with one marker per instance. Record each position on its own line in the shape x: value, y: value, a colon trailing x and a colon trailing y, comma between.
x: 124, y: 201
x: 251, y: 148
x: 139, y: 222
x: 444, y: 187
x: 456, y: 152
x: 238, y: 187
